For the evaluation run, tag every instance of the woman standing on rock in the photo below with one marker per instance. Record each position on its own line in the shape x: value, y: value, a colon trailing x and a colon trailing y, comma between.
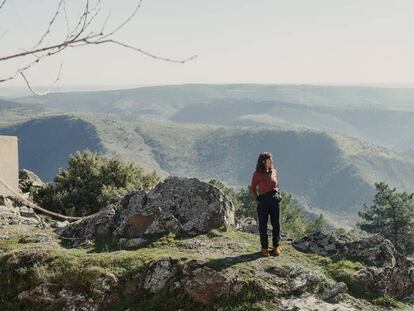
x: 268, y: 198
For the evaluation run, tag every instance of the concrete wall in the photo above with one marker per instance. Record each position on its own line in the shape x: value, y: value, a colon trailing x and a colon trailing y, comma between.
x: 9, y: 164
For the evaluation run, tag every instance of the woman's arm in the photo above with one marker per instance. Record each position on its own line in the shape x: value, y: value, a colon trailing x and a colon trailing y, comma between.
x: 253, y: 185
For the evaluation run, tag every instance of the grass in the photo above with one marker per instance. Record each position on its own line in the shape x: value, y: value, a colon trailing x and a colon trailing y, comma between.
x: 343, y: 271
x: 81, y: 270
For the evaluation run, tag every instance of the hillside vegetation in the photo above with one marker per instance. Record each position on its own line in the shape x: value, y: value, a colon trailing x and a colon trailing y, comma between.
x: 325, y: 171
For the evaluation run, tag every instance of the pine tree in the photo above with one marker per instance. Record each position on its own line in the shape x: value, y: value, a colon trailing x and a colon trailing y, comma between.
x: 392, y: 216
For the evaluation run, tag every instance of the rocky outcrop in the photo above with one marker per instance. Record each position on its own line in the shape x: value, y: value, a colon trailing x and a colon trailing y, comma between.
x: 299, y: 280
x: 178, y: 204
x: 178, y: 277
x: 321, y: 242
x: 202, y: 284
x: 46, y: 277
x: 385, y: 271
x: 12, y: 212
x: 29, y: 294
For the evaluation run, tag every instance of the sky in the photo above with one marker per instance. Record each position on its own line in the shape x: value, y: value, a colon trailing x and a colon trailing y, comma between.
x: 236, y: 41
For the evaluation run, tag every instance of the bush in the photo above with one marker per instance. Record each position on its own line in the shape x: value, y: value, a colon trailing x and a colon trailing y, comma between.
x: 392, y: 216
x: 91, y: 182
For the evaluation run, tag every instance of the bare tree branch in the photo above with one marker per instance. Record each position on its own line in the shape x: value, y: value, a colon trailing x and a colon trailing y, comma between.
x: 29, y: 65
x: 125, y: 22
x: 50, y: 87
x: 2, y: 4
x: 66, y: 17
x: 52, y: 21
x: 3, y: 34
x: 181, y: 61
x: 81, y: 34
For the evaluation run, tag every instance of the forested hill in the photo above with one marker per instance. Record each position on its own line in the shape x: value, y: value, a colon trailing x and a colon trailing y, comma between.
x: 326, y: 171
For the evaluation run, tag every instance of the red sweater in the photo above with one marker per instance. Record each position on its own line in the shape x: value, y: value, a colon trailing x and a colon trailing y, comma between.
x: 265, y: 182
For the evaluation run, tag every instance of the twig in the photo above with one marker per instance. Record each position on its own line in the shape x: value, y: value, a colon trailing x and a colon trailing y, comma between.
x: 79, y: 35
x: 50, y: 87
x: 139, y: 50
x: 1, y: 5
x: 52, y: 21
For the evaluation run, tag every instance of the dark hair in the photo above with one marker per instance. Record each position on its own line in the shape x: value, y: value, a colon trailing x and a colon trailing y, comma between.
x: 260, y: 163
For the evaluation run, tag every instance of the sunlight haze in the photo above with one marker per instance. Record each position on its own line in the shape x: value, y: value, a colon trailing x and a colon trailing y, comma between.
x: 267, y: 41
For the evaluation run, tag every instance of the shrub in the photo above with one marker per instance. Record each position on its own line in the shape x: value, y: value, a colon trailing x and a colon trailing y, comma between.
x: 90, y: 182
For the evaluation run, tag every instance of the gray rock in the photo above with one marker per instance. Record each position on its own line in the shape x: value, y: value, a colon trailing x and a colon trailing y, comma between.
x: 330, y: 293
x: 205, y: 285
x: 191, y: 277
x: 55, y: 298
x: 178, y: 204
x: 386, y: 271
x: 14, y: 213
x: 29, y: 180
x: 321, y: 242
x: 373, y: 251
x: 158, y: 274
x: 91, y: 227
x: 299, y: 280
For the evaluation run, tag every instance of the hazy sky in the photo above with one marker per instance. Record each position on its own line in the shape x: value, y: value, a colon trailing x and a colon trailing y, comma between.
x: 262, y: 41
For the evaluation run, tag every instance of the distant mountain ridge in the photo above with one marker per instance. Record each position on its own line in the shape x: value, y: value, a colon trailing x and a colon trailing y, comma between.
x: 380, y: 115
x: 46, y: 144
x: 331, y: 143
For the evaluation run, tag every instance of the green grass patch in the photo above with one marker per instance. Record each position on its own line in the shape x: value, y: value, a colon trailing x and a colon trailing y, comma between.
x: 343, y: 271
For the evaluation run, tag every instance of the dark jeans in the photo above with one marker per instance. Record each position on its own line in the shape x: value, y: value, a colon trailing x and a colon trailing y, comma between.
x: 268, y: 205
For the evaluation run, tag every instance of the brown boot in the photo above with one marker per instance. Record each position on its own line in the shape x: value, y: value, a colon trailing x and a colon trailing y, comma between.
x: 265, y: 252
x: 276, y: 250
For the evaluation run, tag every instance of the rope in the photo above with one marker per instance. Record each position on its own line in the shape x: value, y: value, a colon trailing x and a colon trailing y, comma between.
x: 37, y: 207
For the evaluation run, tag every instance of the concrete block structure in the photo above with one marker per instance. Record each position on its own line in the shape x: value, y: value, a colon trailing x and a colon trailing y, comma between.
x: 9, y: 164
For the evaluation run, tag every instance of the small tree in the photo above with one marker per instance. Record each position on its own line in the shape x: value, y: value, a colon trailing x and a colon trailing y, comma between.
x: 318, y: 224
x: 247, y: 204
x: 392, y: 216
x: 293, y: 221
x: 91, y: 182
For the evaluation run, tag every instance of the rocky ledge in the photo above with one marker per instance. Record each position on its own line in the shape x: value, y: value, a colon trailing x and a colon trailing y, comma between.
x: 385, y: 272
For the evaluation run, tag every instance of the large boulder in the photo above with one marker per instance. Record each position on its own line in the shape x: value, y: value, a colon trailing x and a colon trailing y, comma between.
x: 178, y: 204
x: 385, y: 271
